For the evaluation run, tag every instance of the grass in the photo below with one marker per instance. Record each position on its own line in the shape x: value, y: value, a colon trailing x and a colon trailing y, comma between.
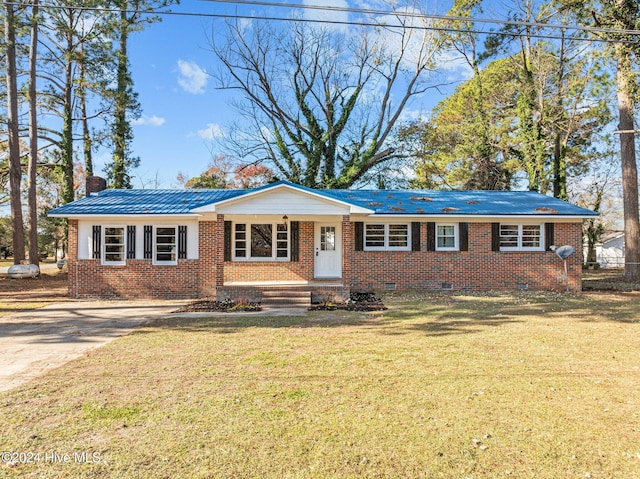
x: 32, y: 293
x: 440, y: 386
x: 607, y: 279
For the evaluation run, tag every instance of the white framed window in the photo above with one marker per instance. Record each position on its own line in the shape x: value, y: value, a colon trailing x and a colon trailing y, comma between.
x: 114, y: 245
x: 521, y: 237
x: 261, y: 242
x: 386, y: 237
x: 165, y: 245
x: 447, y: 237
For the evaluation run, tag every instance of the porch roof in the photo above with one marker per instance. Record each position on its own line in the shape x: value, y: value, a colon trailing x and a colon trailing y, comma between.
x: 377, y: 202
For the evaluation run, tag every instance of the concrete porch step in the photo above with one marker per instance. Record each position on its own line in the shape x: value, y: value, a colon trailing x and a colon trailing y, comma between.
x: 286, y: 298
x: 292, y: 294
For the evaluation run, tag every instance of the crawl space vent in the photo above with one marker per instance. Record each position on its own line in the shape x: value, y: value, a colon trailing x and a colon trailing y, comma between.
x: 389, y: 286
x: 523, y: 285
x: 447, y: 286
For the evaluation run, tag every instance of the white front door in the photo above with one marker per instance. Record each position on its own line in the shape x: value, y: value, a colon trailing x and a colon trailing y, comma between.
x: 328, y: 250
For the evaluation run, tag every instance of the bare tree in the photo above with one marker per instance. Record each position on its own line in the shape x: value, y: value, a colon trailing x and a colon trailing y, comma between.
x: 322, y: 104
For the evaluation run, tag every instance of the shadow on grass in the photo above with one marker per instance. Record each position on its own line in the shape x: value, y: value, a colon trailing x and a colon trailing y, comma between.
x: 434, y: 321
x: 236, y: 322
x: 439, y: 315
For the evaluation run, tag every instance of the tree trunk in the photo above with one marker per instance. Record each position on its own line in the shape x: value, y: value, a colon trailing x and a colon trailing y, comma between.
x: 559, y: 150
x: 15, y: 169
x: 66, y: 142
x: 559, y: 168
x: 33, y: 141
x: 121, y: 126
x: 86, y: 134
x: 629, y: 167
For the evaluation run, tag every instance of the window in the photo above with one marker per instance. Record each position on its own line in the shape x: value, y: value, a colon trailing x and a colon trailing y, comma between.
x: 447, y: 237
x: 114, y: 245
x: 327, y: 238
x: 386, y: 237
x: 257, y: 241
x: 521, y: 237
x: 241, y: 241
x: 261, y: 241
x: 165, y: 245
x: 282, y: 241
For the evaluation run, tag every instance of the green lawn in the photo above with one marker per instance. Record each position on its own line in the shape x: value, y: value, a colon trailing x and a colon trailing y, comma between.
x: 439, y: 386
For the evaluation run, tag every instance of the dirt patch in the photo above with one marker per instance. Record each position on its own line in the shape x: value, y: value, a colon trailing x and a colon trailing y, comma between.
x: 31, y: 293
x: 51, y: 285
x: 211, y: 305
x: 357, y: 302
x: 608, y: 279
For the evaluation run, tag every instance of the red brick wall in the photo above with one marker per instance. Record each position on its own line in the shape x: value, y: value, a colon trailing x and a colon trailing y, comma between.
x: 139, y: 278
x: 208, y: 242
x: 476, y: 269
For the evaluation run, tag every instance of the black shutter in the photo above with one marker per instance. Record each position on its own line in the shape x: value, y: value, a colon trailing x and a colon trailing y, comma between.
x: 548, y: 236
x: 97, y: 238
x: 495, y: 236
x: 227, y: 240
x: 463, y: 231
x: 148, y: 242
x: 358, y: 227
x: 431, y: 236
x: 295, y: 240
x: 131, y: 242
x: 415, y: 236
x: 182, y: 242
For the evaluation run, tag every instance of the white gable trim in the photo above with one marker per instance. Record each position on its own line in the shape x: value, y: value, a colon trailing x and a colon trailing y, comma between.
x: 232, y: 205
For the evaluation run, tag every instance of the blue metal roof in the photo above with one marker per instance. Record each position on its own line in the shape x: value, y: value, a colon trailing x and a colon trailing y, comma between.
x: 144, y: 202
x: 388, y: 202
x: 455, y: 202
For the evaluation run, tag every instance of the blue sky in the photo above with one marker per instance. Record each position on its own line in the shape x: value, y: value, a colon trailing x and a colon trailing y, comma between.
x: 182, y: 109
x: 170, y: 61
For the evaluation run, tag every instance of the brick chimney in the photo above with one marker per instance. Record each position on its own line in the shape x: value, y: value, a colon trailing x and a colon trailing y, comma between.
x: 95, y: 184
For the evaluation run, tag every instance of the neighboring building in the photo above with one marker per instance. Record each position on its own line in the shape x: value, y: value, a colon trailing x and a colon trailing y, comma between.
x: 610, y: 252
x: 240, y: 243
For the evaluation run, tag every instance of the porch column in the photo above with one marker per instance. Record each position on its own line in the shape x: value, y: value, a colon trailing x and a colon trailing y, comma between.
x: 207, y: 248
x: 219, y: 252
x: 347, y: 250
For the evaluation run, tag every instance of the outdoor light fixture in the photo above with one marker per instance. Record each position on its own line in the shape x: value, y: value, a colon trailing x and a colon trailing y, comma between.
x: 285, y: 218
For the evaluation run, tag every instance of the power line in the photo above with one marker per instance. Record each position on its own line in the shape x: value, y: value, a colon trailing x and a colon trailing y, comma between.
x: 449, y: 18
x: 430, y: 27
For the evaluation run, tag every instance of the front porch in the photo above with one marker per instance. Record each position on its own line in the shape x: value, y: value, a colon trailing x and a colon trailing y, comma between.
x: 286, y: 259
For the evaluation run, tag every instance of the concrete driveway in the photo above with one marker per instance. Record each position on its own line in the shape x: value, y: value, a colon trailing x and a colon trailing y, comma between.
x: 35, y: 341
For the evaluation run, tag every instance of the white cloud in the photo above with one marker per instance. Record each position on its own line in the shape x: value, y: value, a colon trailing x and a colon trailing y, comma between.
x: 455, y: 66
x: 327, y: 15
x: 212, y: 131
x: 192, y: 79
x: 149, y: 120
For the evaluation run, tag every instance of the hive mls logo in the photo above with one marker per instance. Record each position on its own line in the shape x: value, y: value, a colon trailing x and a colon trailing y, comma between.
x: 86, y: 458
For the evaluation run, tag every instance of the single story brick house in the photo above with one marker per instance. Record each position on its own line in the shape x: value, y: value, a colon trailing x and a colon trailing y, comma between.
x: 240, y: 243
